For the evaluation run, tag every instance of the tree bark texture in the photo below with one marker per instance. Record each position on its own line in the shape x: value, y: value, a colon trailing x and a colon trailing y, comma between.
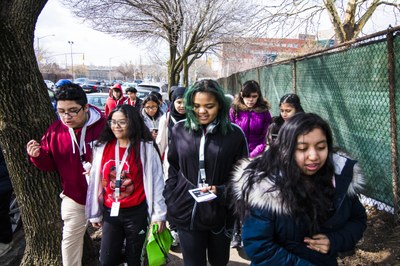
x: 25, y: 113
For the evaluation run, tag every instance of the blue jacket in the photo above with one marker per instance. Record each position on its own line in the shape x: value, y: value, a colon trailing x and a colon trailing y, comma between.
x: 271, y: 236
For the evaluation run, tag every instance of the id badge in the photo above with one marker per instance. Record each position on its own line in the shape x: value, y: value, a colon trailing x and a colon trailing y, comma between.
x: 114, y: 209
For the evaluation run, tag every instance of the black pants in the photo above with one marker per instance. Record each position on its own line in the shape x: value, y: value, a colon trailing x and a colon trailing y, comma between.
x: 196, y: 246
x: 131, y: 224
x: 5, y: 224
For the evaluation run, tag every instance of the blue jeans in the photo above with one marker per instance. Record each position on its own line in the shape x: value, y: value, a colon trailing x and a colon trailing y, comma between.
x: 131, y: 225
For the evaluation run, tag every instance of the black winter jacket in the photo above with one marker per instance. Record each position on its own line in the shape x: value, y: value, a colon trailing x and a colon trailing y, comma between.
x: 5, y: 183
x: 221, y: 152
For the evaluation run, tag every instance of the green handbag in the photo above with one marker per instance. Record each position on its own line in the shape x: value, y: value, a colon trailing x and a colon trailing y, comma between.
x: 158, y: 246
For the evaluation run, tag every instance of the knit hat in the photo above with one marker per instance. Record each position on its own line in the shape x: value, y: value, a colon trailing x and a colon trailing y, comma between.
x: 178, y: 93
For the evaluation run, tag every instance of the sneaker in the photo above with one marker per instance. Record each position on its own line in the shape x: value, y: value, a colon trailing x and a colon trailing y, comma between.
x: 4, y: 248
x: 175, y: 235
x: 236, y: 241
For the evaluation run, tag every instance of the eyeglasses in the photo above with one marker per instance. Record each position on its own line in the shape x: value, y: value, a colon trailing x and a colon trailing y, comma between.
x: 120, y: 123
x: 71, y: 113
x: 151, y: 107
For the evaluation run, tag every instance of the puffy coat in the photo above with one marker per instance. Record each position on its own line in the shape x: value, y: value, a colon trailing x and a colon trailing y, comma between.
x: 254, y: 124
x: 221, y: 152
x: 272, y: 237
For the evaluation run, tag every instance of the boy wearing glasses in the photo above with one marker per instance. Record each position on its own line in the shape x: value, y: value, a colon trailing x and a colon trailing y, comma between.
x: 66, y: 147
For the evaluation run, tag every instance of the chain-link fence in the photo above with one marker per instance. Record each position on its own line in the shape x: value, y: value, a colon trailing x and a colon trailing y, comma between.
x: 353, y: 86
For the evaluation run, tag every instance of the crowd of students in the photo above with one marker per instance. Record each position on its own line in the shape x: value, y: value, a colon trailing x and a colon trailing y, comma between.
x: 280, y: 187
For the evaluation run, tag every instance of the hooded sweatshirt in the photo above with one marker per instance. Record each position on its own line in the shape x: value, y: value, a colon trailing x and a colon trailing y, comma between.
x: 60, y: 153
x: 111, y: 102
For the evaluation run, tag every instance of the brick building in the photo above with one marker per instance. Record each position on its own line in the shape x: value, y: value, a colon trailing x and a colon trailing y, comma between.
x: 254, y: 52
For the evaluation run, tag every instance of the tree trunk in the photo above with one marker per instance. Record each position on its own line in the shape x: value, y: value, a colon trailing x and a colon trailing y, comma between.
x: 185, y: 73
x: 25, y: 113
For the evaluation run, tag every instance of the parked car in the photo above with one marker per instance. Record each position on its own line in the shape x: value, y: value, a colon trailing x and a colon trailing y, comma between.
x: 157, y: 87
x: 142, y: 93
x: 51, y: 96
x: 81, y: 81
x: 126, y: 85
x: 94, y: 86
x: 98, y: 99
x: 50, y: 84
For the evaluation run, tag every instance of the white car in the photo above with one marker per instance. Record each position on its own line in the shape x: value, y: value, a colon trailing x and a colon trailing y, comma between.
x: 98, y: 99
x: 157, y: 87
x: 50, y: 84
x: 81, y: 81
x: 126, y: 85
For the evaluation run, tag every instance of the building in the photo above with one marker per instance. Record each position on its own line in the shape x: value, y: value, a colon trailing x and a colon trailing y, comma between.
x: 254, y: 52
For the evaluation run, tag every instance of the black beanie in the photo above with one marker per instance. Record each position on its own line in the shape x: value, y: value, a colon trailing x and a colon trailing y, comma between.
x: 178, y: 93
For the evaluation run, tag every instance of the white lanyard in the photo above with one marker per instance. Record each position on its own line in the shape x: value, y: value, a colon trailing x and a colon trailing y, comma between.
x: 202, y: 170
x: 81, y: 145
x: 118, y: 167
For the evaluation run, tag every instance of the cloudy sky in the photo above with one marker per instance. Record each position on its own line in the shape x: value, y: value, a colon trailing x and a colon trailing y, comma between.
x: 56, y: 26
x: 98, y: 48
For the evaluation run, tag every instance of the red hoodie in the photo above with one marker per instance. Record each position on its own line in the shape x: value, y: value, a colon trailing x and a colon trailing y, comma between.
x: 57, y: 154
x: 111, y: 102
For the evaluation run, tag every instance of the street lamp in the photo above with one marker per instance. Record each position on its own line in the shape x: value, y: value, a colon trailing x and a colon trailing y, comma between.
x: 72, y: 60
x: 110, y: 69
x: 38, y: 40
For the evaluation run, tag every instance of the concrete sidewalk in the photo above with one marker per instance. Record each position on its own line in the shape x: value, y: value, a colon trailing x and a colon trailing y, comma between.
x: 237, y: 257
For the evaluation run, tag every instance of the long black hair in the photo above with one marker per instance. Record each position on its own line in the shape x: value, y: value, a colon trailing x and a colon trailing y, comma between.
x: 312, y: 199
x: 137, y: 129
x: 278, y: 121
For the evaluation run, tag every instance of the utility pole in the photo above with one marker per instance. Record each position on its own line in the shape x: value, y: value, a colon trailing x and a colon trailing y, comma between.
x: 72, y: 61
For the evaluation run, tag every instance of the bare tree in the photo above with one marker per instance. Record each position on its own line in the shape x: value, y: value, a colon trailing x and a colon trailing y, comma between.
x: 348, y: 18
x: 188, y: 27
x: 127, y: 70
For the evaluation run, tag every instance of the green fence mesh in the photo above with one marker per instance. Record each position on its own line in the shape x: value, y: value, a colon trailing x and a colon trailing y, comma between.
x: 349, y: 87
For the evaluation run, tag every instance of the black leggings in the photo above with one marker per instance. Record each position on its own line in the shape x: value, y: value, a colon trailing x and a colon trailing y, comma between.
x: 131, y: 224
x: 196, y: 246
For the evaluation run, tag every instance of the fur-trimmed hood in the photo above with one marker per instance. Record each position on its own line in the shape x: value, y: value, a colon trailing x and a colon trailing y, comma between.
x: 237, y: 105
x: 260, y: 196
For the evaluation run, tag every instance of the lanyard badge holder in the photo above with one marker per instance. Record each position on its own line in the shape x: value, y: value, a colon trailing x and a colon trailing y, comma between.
x: 202, y: 171
x: 198, y: 194
x: 118, y: 166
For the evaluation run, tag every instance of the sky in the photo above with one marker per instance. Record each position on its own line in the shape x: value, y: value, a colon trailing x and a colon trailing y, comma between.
x: 56, y: 26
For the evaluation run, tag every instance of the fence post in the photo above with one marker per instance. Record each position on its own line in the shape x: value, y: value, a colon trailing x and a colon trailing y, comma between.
x: 294, y: 76
x: 393, y: 124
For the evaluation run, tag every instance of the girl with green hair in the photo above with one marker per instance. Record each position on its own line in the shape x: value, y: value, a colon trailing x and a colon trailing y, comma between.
x: 202, y: 152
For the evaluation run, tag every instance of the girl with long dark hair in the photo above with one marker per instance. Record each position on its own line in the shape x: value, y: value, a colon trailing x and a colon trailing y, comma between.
x: 299, y: 201
x: 125, y: 186
x: 250, y: 111
x: 289, y: 105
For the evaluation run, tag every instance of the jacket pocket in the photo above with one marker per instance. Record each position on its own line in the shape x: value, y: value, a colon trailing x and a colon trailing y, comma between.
x: 210, y: 214
x: 179, y: 201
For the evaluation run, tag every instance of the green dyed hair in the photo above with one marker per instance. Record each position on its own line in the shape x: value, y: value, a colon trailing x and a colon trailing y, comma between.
x: 209, y: 86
